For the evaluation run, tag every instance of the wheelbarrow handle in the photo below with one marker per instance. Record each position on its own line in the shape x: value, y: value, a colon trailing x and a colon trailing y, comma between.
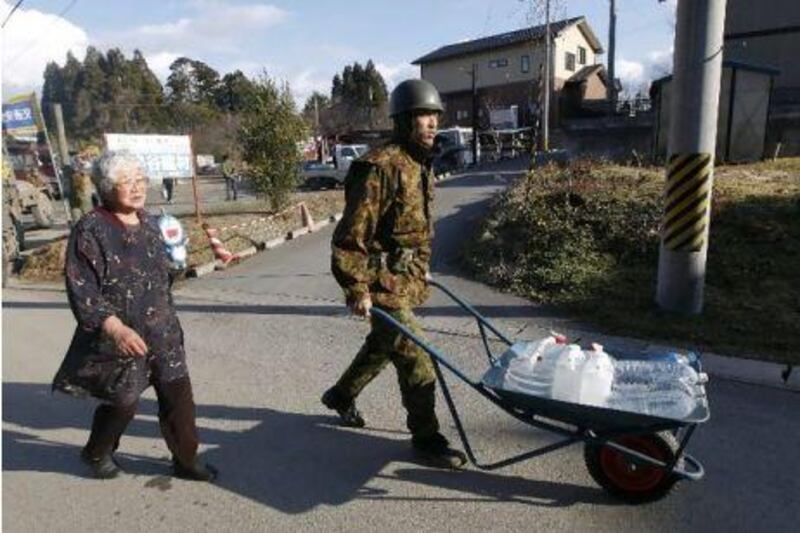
x: 470, y: 309
x: 416, y: 339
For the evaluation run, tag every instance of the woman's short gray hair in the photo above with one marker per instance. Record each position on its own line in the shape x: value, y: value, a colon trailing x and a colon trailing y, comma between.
x: 106, y: 169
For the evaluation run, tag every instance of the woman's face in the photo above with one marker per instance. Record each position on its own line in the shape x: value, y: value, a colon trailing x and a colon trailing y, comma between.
x: 130, y: 191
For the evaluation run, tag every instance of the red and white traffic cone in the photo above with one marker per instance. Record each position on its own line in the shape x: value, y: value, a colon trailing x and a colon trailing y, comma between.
x: 220, y: 252
x: 305, y: 216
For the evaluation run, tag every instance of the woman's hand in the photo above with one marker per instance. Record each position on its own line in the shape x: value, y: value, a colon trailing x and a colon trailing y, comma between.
x: 128, y: 342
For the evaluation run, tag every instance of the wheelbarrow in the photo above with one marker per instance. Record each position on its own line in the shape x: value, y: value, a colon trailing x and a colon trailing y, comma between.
x: 637, y: 458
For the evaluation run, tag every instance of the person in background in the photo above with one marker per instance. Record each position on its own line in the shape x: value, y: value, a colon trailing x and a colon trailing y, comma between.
x: 231, y: 178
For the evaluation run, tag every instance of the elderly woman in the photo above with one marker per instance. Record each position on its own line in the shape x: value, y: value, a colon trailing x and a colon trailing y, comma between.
x: 128, y: 335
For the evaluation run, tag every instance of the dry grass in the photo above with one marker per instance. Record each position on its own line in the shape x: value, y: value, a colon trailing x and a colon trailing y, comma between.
x: 604, y: 267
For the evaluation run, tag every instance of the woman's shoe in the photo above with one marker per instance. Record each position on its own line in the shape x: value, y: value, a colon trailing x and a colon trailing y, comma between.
x: 196, y: 472
x: 103, y: 467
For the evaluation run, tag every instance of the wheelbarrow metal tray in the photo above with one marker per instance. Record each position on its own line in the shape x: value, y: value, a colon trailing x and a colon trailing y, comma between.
x: 600, y: 419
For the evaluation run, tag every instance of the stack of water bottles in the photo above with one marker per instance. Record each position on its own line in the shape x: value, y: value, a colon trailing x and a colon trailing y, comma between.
x: 664, y: 385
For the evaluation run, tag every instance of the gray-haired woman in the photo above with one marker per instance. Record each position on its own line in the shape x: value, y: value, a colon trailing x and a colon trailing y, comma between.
x: 128, y: 335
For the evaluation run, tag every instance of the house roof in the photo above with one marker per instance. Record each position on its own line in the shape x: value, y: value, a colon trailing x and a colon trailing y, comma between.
x: 587, y: 71
x: 509, y: 39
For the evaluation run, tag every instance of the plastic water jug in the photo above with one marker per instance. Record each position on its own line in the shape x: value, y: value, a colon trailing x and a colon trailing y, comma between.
x: 567, y: 374
x: 597, y: 376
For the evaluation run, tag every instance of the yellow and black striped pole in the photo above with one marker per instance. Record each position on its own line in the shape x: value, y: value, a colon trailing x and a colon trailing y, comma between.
x: 687, y: 199
x: 694, y: 95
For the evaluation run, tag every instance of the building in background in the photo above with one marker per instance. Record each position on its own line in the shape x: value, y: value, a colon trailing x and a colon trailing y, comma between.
x: 507, y: 69
x: 766, y: 33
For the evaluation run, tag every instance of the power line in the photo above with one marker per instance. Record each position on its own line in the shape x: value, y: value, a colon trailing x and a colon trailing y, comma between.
x: 11, y: 13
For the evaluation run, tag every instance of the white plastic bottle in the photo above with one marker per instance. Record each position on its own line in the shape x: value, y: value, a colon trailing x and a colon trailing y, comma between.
x: 567, y: 374
x: 597, y: 376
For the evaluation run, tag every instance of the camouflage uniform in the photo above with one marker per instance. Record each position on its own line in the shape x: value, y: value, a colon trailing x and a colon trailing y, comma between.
x: 382, y: 247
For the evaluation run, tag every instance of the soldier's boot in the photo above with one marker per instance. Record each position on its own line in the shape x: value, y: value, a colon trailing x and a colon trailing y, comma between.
x: 344, y: 407
x: 103, y: 467
x: 436, y: 451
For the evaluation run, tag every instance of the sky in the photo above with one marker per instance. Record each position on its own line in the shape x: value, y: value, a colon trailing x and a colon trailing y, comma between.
x: 304, y: 42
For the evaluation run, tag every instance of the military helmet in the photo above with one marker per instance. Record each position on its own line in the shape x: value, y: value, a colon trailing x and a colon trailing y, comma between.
x: 414, y: 95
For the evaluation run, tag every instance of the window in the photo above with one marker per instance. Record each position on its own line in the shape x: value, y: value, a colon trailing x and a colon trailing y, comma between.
x: 498, y: 63
x: 462, y: 115
x: 582, y: 55
x: 525, y: 64
x: 569, y: 61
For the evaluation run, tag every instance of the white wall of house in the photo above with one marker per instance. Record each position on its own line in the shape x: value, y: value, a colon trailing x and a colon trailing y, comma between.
x: 571, y: 41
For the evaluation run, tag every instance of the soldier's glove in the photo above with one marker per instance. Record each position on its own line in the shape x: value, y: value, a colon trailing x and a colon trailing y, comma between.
x: 362, y: 306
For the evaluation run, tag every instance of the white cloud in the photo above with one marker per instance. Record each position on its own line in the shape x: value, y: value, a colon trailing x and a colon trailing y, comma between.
x: 394, y: 74
x: 629, y: 72
x: 31, y: 39
x: 214, y: 27
x: 159, y: 63
x: 635, y: 74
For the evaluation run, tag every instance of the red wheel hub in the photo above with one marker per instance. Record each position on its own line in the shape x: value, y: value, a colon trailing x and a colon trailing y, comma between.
x: 628, y: 474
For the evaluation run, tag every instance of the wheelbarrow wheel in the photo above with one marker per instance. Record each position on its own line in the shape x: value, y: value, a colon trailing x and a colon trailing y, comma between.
x: 630, y: 480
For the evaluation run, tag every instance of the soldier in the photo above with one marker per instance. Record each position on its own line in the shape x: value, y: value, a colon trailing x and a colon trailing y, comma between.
x: 229, y: 172
x: 381, y: 253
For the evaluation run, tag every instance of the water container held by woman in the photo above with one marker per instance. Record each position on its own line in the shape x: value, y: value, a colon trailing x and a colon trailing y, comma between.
x: 597, y: 376
x: 567, y: 374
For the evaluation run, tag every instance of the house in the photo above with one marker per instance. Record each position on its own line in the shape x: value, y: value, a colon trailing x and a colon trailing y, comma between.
x: 507, y: 70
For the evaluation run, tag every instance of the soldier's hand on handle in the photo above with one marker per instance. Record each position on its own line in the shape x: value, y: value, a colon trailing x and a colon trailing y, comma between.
x: 128, y: 342
x: 362, y: 306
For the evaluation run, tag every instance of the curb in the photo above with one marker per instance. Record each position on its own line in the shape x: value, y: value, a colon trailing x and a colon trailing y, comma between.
x: 750, y: 371
x: 207, y: 268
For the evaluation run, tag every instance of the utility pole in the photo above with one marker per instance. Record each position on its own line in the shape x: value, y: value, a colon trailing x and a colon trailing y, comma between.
x: 692, y: 141
x: 546, y: 106
x: 63, y: 150
x: 612, y: 47
x: 317, y: 141
x: 474, y: 114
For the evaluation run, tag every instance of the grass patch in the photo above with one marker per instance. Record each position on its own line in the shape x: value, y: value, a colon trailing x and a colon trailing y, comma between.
x: 585, y: 239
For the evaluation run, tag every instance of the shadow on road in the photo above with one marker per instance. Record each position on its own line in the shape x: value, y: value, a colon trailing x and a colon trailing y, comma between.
x: 333, y: 310
x: 292, y: 462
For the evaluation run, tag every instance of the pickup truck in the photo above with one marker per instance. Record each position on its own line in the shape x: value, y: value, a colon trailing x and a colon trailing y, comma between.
x: 331, y: 175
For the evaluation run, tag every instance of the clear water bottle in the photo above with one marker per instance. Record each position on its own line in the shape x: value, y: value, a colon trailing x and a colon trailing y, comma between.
x: 567, y: 374
x: 597, y: 377
x: 524, y: 367
x: 663, y: 387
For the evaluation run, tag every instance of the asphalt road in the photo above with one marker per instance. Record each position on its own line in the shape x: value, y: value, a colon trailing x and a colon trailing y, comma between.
x: 265, y: 338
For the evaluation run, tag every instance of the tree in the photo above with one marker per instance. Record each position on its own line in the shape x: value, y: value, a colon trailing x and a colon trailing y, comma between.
x: 268, y: 136
x: 235, y: 92
x: 316, y: 103
x: 359, y: 100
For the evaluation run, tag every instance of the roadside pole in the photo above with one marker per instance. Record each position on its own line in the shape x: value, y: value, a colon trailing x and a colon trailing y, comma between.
x: 194, y: 183
x: 66, y: 166
x: 474, y: 114
x: 56, y: 169
x: 612, y: 50
x: 546, y: 107
x: 692, y: 140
